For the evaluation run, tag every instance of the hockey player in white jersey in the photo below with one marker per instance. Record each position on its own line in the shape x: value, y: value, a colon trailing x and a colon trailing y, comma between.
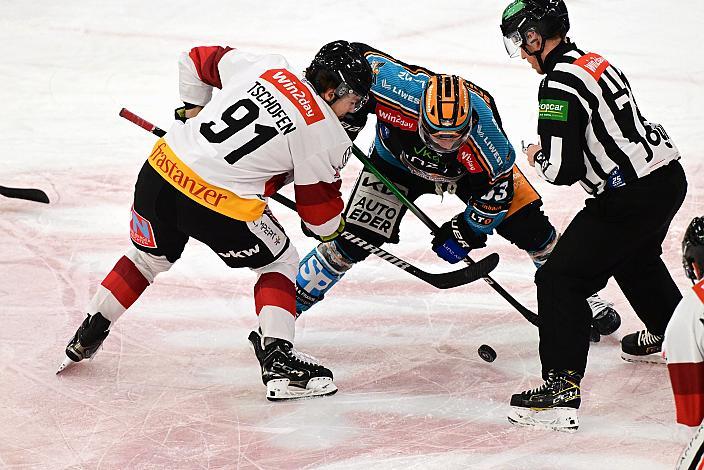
x: 684, y: 347
x: 210, y: 176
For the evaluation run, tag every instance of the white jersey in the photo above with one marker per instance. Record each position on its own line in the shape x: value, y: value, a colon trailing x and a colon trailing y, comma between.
x: 684, y: 350
x: 264, y: 128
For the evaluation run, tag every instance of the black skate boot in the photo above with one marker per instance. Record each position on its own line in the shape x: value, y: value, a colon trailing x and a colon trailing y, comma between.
x: 289, y: 374
x: 642, y: 346
x: 552, y: 406
x: 88, y: 338
x: 605, y: 319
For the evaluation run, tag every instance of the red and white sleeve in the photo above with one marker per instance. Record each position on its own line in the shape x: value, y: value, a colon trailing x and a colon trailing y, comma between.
x: 684, y: 350
x: 199, y: 73
x: 318, y: 199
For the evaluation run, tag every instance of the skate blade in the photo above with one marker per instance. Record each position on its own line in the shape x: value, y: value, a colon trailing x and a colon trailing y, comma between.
x: 553, y: 419
x: 280, y: 390
x: 655, y: 358
x: 66, y: 364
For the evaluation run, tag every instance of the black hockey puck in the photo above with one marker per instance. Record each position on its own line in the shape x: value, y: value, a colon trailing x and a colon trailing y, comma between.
x: 487, y: 353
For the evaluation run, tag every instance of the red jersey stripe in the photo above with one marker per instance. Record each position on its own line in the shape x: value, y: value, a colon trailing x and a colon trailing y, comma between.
x: 277, y: 290
x: 320, y: 202
x: 206, y: 59
x: 274, y: 183
x: 125, y: 282
x: 688, y: 386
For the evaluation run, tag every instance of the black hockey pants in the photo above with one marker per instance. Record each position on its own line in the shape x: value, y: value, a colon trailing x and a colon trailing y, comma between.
x: 618, y: 233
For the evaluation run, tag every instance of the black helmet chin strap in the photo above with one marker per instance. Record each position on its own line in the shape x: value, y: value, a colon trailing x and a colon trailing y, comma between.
x: 537, y: 54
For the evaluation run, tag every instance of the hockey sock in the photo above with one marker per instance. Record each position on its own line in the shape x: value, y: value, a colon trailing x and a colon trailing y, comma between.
x: 540, y: 256
x: 119, y: 290
x: 275, y: 303
x: 321, y: 269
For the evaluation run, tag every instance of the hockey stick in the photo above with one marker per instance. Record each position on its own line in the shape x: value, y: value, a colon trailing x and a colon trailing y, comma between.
x: 527, y: 314
x: 144, y: 124
x: 29, y: 194
x: 440, y: 281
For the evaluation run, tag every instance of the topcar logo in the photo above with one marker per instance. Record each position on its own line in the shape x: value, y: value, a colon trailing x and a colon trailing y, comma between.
x: 554, y: 110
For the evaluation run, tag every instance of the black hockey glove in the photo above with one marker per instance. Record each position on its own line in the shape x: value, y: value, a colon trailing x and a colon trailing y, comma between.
x: 455, y: 239
x: 309, y: 233
x: 180, y: 113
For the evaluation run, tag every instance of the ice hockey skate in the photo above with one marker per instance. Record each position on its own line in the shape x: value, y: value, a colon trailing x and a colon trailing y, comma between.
x: 606, y: 319
x: 642, y: 346
x: 551, y: 406
x: 289, y: 374
x: 85, y: 343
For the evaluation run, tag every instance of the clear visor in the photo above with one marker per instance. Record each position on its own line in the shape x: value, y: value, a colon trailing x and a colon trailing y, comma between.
x: 443, y: 142
x: 343, y: 89
x: 513, y: 43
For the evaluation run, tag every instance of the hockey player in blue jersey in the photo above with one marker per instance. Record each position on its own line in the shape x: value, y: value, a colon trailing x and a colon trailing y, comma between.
x: 435, y: 134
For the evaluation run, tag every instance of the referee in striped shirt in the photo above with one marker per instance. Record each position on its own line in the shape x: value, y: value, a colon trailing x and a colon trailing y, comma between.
x: 593, y: 133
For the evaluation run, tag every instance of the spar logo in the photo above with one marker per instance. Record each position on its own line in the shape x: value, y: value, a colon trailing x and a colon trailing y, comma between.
x: 593, y: 63
x: 554, y: 110
x: 296, y: 92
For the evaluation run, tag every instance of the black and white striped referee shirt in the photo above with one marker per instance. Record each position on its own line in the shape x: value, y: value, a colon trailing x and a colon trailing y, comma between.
x: 590, y: 127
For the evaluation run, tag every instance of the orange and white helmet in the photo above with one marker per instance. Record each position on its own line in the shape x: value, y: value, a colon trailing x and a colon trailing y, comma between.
x: 445, y: 116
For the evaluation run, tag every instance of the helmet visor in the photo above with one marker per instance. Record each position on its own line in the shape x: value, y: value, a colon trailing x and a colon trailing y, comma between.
x: 513, y: 43
x: 343, y: 89
x: 442, y: 142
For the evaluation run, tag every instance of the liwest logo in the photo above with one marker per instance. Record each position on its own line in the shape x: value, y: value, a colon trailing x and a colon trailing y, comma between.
x: 396, y: 118
x: 141, y: 231
x: 554, y: 110
x: 296, y: 92
x: 593, y: 63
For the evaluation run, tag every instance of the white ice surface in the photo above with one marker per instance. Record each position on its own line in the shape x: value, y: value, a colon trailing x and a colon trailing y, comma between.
x: 176, y: 385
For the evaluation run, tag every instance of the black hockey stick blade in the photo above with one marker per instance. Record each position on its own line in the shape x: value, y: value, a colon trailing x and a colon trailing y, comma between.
x: 30, y: 194
x: 440, y: 281
x: 476, y: 271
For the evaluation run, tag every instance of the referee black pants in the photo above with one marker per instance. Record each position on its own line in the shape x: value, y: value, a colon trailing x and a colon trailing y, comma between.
x: 618, y: 233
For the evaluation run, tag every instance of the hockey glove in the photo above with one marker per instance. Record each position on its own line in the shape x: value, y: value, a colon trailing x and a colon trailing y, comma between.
x: 324, y: 238
x: 455, y: 239
x: 180, y: 113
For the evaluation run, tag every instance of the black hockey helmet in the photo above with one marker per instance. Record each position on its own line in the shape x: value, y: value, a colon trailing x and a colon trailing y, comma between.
x: 548, y: 18
x: 693, y: 249
x: 341, y: 66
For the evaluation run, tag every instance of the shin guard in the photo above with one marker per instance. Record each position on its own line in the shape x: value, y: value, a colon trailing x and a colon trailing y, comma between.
x: 321, y: 269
